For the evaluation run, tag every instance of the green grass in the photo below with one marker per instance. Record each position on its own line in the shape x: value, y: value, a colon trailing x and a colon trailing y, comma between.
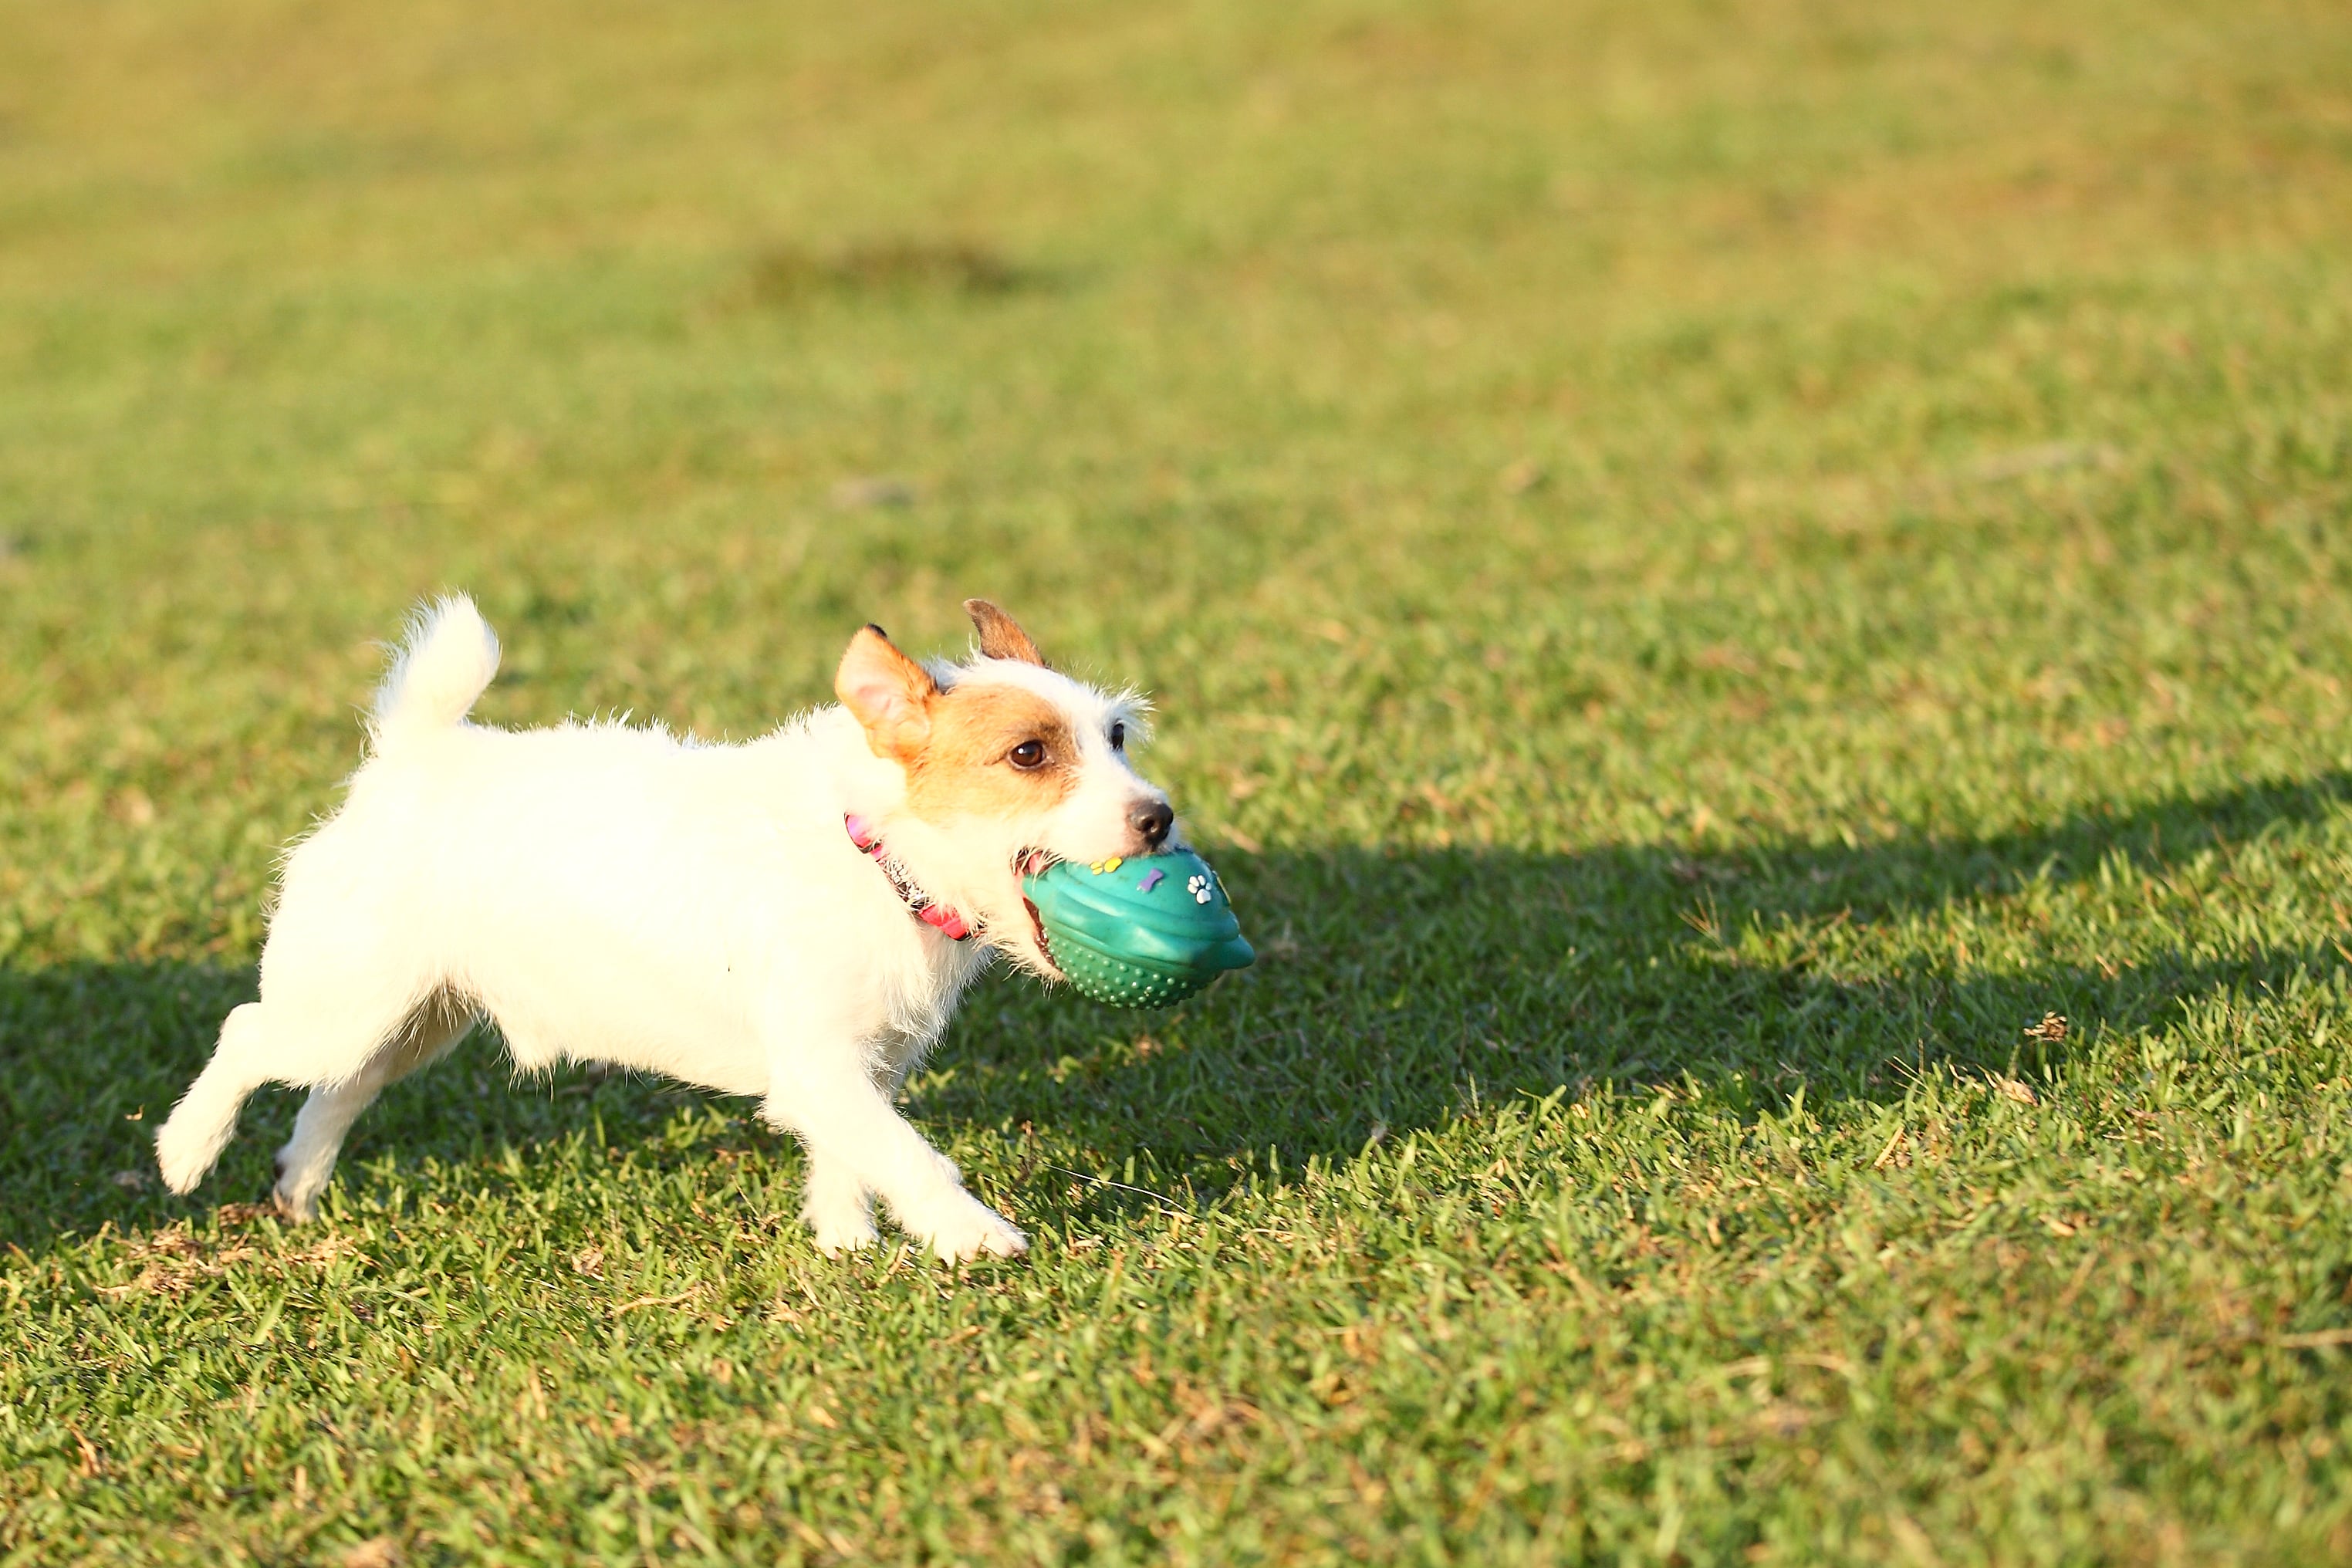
x: 1704, y: 566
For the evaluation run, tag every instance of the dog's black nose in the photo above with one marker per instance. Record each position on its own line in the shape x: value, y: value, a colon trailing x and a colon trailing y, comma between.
x: 1152, y: 820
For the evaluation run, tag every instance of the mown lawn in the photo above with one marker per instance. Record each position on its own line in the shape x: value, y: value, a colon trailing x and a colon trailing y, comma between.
x: 1707, y: 568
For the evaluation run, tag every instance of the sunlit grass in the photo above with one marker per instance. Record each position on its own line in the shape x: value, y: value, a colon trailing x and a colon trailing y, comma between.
x: 1709, y: 574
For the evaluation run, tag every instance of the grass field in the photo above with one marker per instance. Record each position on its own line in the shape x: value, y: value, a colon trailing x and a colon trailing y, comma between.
x: 1706, y: 567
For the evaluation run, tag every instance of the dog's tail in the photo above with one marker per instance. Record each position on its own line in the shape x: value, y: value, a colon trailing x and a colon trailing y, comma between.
x: 448, y: 660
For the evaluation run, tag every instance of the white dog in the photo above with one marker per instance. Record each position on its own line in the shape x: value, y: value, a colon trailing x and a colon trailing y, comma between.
x: 794, y: 918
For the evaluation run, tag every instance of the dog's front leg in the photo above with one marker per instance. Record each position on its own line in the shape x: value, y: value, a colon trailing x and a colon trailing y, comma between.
x: 837, y: 1204
x: 820, y: 1089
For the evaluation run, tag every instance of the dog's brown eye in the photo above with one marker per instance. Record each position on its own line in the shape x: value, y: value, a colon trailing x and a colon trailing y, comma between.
x: 1119, y: 737
x: 1027, y: 754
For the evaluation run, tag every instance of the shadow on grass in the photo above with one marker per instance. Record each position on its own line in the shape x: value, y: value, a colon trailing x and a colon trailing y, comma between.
x: 787, y: 275
x: 1394, y: 989
x: 92, y: 1056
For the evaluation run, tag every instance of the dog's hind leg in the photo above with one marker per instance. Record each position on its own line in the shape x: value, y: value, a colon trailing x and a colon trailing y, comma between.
x: 308, y: 1160
x: 313, y: 1034
x: 190, y: 1143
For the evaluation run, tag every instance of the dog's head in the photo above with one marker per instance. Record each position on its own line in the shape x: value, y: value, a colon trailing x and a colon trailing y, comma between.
x: 1009, y: 764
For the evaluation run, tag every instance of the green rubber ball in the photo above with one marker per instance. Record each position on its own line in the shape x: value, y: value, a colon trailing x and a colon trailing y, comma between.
x: 1141, y: 932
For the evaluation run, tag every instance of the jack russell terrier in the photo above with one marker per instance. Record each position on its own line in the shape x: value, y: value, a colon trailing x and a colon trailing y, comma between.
x: 793, y: 918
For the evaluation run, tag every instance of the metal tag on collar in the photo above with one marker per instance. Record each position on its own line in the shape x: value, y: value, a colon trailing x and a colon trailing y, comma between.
x: 926, y: 909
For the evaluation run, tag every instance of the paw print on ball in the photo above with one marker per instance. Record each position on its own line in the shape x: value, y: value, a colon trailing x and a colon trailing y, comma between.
x: 1199, y: 887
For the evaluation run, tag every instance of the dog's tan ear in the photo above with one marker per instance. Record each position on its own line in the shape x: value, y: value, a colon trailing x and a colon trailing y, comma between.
x: 1001, y: 636
x: 890, y: 694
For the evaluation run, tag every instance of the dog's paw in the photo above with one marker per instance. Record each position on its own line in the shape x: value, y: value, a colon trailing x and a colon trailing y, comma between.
x: 837, y: 1210
x: 839, y: 1235
x: 296, y: 1193
x: 974, y: 1231
x: 185, y: 1159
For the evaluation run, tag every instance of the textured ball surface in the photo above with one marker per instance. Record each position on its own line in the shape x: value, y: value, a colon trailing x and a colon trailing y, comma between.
x: 1138, y: 933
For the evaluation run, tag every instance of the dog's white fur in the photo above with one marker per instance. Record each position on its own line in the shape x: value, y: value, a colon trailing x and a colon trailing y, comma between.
x: 619, y: 895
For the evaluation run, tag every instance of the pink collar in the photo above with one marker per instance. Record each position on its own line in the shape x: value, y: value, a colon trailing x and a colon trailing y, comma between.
x: 927, y: 909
